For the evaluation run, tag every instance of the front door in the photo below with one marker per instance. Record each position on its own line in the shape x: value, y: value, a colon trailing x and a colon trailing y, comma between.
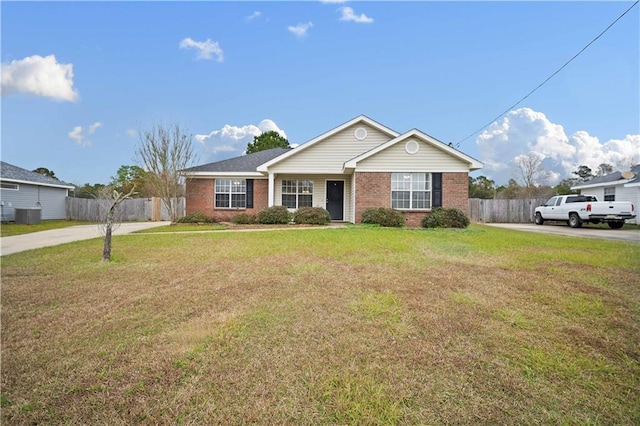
x: 335, y: 199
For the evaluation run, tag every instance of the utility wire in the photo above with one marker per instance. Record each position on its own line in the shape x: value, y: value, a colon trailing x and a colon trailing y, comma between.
x: 551, y: 76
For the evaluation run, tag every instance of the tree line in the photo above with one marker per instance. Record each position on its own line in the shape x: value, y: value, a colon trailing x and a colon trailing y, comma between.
x: 530, y: 170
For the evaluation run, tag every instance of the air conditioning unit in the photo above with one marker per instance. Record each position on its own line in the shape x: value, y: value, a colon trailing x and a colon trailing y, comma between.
x: 28, y: 216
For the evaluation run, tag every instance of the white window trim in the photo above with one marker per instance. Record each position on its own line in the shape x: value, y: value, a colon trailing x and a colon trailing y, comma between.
x: 612, y: 192
x: 297, y: 194
x: 430, y: 191
x: 17, y: 187
x: 230, y: 193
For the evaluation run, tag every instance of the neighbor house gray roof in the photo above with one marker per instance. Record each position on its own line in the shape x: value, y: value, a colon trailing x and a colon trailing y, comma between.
x: 11, y: 173
x: 612, y: 178
x: 244, y: 163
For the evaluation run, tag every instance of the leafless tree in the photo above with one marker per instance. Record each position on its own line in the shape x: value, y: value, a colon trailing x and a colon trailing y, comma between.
x: 604, y: 169
x: 109, y: 200
x: 163, y: 152
x: 627, y: 163
x: 531, y: 171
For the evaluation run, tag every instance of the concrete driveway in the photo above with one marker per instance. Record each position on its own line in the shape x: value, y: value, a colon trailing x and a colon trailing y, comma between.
x: 562, y: 229
x: 53, y: 237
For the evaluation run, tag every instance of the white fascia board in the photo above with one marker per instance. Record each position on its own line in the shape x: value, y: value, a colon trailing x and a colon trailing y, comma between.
x: 26, y: 182
x: 601, y: 184
x: 197, y: 175
x: 632, y: 185
x: 473, y: 163
x: 361, y: 118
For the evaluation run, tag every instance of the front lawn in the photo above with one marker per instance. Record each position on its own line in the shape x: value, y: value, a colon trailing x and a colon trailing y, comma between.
x: 355, y: 325
x: 8, y: 229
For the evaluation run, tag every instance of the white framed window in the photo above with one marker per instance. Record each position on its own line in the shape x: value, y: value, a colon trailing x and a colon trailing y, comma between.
x: 231, y: 193
x: 9, y: 186
x: 610, y: 193
x: 411, y: 191
x: 297, y: 193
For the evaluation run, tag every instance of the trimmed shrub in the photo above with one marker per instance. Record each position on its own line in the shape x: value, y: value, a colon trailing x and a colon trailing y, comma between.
x: 445, y: 218
x: 312, y: 216
x: 383, y: 216
x: 196, y: 218
x: 274, y: 215
x: 244, y: 219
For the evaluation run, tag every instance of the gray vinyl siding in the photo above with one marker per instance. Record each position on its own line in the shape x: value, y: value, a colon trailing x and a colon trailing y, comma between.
x: 329, y: 155
x: 396, y: 159
x: 52, y: 201
x: 319, y: 190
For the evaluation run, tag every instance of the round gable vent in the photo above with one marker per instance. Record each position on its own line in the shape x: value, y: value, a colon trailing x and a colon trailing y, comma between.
x: 411, y: 147
x: 360, y: 133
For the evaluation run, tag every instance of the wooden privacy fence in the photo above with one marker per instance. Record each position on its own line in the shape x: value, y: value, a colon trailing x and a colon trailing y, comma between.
x: 131, y: 210
x: 503, y: 211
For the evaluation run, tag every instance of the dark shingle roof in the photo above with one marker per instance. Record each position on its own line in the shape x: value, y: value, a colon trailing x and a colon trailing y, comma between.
x: 11, y: 172
x: 244, y: 163
x: 613, y: 177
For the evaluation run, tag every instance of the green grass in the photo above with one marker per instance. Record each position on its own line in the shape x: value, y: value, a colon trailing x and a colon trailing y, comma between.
x: 183, y: 228
x: 8, y: 229
x: 355, y: 325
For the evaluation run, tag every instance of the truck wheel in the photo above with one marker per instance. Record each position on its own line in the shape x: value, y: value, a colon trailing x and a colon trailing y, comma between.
x: 616, y: 225
x: 574, y: 220
x: 538, y: 219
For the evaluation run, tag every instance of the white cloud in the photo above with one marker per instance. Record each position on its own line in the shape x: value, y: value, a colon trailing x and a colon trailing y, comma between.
x: 523, y: 130
x: 132, y: 133
x: 205, y: 49
x: 349, y: 15
x: 79, y: 135
x: 300, y: 30
x: 254, y: 15
x: 231, y: 141
x: 40, y: 76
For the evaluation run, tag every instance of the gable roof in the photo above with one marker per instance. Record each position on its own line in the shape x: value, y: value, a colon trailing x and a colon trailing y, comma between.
x: 615, y: 178
x: 473, y: 163
x: 245, y: 164
x: 359, y: 119
x: 11, y: 173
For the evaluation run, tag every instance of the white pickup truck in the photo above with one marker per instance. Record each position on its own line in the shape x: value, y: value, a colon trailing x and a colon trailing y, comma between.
x: 579, y: 209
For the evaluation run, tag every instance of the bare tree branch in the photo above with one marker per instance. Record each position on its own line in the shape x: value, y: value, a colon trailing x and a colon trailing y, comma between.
x: 531, y: 171
x: 163, y: 152
x: 109, y: 200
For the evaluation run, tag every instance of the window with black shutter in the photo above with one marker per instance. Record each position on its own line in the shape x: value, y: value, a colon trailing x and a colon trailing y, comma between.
x: 437, y: 189
x: 249, y: 193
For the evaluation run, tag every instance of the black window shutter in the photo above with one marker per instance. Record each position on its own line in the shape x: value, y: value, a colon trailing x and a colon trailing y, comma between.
x: 436, y: 179
x: 249, y: 193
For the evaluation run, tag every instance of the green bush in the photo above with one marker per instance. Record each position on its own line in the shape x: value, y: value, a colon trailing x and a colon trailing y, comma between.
x: 384, y: 217
x: 445, y: 218
x: 274, y: 215
x: 196, y: 218
x: 244, y: 219
x: 312, y: 216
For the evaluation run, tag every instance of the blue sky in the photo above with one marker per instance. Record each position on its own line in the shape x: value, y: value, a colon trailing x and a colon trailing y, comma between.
x: 81, y: 79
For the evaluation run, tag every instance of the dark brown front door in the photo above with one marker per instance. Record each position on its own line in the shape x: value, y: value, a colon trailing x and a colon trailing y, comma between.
x: 335, y: 199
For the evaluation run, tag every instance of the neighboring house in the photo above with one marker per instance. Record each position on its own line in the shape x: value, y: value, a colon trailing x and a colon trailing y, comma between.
x: 23, y: 189
x: 355, y: 166
x: 618, y: 186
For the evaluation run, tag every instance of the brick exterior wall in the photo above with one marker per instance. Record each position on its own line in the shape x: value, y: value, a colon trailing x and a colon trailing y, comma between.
x: 455, y: 191
x: 373, y: 189
x: 200, y: 199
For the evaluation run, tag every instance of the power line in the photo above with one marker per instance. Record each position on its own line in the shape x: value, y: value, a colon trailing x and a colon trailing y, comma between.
x: 551, y: 76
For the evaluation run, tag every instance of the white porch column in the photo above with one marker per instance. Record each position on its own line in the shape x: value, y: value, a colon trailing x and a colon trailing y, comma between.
x: 272, y: 192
